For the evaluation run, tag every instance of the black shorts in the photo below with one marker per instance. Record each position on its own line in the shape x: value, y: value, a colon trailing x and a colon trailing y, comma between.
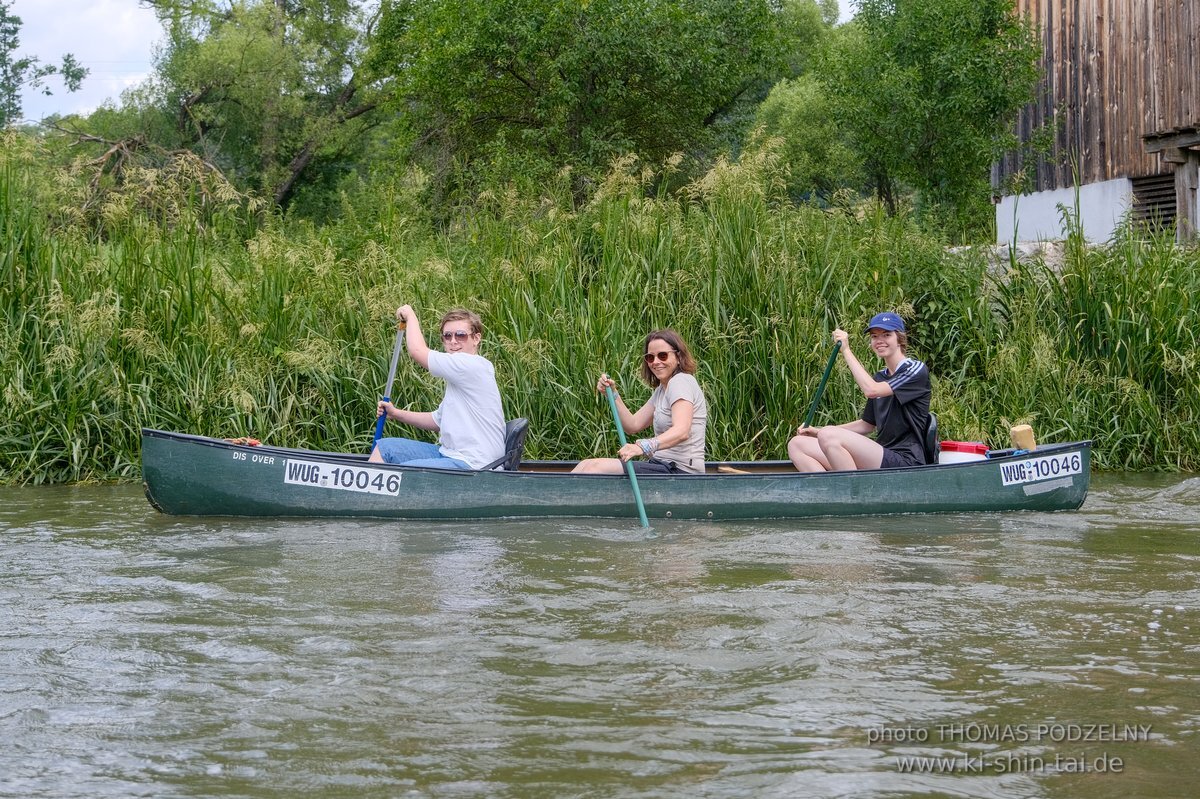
x: 655, y: 466
x: 893, y: 460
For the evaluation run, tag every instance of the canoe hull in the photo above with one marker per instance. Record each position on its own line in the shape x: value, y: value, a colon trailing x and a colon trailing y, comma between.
x: 195, y: 475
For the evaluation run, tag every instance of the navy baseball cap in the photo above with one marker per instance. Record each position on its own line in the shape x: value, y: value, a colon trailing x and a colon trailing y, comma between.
x: 886, y: 321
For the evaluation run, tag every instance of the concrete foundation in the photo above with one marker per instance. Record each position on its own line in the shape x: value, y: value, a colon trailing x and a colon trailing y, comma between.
x: 1038, y: 217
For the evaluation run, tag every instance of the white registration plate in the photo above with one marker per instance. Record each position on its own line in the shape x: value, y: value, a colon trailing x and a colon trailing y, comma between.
x: 1046, y: 467
x: 346, y: 478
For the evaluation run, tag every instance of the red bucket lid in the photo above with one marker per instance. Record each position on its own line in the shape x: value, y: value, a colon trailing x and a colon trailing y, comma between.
x: 971, y: 447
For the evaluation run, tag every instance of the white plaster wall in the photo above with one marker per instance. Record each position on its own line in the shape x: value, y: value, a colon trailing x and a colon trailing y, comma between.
x: 1037, y: 216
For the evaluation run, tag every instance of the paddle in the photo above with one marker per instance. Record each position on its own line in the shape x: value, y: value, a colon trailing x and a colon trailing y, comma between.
x: 387, y: 392
x: 837, y: 345
x: 637, y: 494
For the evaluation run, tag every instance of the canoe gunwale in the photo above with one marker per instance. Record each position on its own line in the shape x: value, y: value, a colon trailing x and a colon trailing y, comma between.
x: 561, y: 468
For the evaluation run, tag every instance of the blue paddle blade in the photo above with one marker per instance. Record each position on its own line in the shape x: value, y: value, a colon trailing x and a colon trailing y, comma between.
x: 379, y: 425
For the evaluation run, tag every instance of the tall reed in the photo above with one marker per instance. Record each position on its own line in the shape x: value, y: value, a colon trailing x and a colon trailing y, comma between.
x: 191, y: 309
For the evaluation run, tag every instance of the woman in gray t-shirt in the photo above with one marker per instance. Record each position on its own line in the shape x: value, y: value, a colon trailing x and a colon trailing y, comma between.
x: 676, y: 409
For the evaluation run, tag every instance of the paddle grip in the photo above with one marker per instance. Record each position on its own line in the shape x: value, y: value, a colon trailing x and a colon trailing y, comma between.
x: 379, y: 424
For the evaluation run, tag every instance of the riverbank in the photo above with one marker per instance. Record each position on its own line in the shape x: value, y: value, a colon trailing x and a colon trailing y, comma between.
x: 181, y: 305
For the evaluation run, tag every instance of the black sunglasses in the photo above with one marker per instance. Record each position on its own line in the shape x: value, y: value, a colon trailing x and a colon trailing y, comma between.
x: 461, y: 335
x: 662, y: 356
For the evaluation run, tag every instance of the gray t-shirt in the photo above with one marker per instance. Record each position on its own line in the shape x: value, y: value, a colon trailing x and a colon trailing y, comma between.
x: 688, y: 455
x: 471, y: 416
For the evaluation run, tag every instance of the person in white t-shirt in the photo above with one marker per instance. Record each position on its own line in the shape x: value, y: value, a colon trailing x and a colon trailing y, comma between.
x: 676, y: 409
x: 470, y: 419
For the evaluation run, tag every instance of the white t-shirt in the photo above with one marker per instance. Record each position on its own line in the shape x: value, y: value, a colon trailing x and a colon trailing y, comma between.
x: 471, y: 416
x: 688, y: 455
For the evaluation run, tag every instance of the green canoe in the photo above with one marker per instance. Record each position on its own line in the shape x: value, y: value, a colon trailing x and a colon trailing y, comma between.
x: 194, y: 475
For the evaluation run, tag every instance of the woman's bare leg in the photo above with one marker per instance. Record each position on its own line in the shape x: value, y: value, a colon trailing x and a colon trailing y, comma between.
x: 600, y: 466
x: 846, y: 450
x: 806, y: 454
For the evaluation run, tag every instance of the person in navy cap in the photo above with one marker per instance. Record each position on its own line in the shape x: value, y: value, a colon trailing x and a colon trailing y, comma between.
x: 897, y: 410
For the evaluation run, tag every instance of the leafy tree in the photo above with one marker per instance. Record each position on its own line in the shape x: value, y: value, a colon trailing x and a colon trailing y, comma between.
x: 928, y: 90
x: 572, y: 82
x: 270, y: 92
x: 817, y: 151
x: 805, y: 27
x: 18, y: 73
x: 799, y: 111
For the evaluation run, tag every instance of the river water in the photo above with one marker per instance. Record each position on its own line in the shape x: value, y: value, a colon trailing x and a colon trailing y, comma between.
x: 1018, y: 655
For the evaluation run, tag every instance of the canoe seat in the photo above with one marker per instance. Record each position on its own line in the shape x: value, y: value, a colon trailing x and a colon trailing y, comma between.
x: 514, y: 446
x: 933, y: 447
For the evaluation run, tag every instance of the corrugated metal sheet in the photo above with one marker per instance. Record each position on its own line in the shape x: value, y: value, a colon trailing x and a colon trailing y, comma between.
x: 1114, y: 71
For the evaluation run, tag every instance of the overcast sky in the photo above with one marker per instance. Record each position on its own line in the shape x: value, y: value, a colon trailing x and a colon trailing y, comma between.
x: 115, y: 39
x: 112, y: 38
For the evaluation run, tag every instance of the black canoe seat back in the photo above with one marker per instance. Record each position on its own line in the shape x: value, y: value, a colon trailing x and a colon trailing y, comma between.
x: 514, y: 446
x: 933, y: 447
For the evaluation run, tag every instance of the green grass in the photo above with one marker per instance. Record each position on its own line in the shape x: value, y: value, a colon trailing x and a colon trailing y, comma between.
x: 171, y: 301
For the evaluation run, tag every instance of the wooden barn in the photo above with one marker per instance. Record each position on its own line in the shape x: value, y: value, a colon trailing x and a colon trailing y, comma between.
x: 1121, y: 92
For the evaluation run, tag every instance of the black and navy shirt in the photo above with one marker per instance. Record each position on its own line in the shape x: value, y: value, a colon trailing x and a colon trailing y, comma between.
x: 898, y: 418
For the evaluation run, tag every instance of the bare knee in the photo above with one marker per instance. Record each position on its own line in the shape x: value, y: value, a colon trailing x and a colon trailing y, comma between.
x: 830, y: 435
x: 805, y: 454
x: 598, y: 466
x: 799, y: 445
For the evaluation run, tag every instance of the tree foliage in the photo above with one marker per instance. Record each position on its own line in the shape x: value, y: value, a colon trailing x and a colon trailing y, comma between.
x: 19, y: 73
x: 574, y: 82
x: 805, y: 26
x: 289, y: 97
x: 819, y: 155
x: 929, y: 89
x: 798, y: 111
x: 270, y: 92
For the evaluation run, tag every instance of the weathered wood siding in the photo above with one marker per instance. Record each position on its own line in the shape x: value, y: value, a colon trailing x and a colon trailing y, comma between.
x: 1114, y: 70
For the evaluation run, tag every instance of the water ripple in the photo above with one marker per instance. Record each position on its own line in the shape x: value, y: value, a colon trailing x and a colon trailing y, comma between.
x: 154, y: 656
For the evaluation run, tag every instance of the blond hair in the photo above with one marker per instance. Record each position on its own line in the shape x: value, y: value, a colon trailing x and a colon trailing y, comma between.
x: 462, y: 315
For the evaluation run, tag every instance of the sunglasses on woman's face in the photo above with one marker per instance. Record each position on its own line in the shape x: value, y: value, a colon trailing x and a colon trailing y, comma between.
x: 662, y: 356
x: 459, y: 335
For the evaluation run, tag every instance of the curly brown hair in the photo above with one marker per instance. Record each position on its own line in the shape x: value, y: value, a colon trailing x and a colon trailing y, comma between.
x: 687, y: 363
